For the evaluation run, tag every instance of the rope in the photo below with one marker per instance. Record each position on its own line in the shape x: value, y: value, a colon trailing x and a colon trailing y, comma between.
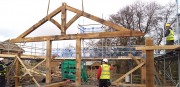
x: 48, y: 6
x: 82, y: 6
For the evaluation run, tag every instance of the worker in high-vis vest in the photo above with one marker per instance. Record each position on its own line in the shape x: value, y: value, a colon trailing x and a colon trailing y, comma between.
x: 169, y: 34
x: 3, y: 72
x: 103, y: 74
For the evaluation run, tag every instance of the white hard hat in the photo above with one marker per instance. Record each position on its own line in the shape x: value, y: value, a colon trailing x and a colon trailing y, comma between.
x: 105, y: 60
x: 1, y: 59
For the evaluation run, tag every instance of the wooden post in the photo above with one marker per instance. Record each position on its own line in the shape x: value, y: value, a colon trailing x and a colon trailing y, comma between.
x: 17, y: 72
x: 149, y: 64
x: 63, y: 19
x: 78, y: 62
x: 48, y: 61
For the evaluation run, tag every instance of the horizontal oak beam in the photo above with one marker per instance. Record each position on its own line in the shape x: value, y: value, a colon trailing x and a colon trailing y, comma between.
x: 160, y: 47
x: 98, y: 59
x: 129, y: 85
x: 22, y: 56
x: 58, y: 84
x: 83, y: 36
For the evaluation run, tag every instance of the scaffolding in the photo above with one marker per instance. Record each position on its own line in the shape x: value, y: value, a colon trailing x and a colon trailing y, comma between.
x: 147, y: 66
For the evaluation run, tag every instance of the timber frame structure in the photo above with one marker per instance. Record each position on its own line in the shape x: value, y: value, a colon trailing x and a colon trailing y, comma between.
x: 119, y: 32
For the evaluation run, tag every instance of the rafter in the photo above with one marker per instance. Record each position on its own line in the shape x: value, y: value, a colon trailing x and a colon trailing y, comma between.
x: 41, y: 22
x: 97, y: 19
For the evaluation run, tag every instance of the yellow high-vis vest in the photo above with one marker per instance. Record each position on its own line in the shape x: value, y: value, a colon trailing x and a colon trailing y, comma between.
x: 105, y: 73
x: 3, y: 72
x: 171, y: 35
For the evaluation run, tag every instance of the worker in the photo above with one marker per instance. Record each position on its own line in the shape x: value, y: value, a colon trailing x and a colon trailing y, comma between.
x: 3, y: 72
x: 103, y: 74
x: 169, y: 34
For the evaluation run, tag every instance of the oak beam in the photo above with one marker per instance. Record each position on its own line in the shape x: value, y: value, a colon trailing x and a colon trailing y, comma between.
x: 22, y: 56
x: 97, y: 59
x: 63, y: 19
x: 55, y: 23
x: 149, y: 64
x: 78, y: 62
x: 97, y: 19
x: 155, y: 47
x: 83, y: 36
x: 41, y: 22
x: 131, y: 56
x: 48, y: 62
x: 72, y: 20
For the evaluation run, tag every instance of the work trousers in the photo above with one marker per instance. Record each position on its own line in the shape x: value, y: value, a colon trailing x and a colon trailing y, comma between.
x: 169, y: 42
x: 2, y: 81
x: 103, y: 82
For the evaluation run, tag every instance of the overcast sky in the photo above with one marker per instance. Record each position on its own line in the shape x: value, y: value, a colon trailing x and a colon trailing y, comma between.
x: 17, y: 16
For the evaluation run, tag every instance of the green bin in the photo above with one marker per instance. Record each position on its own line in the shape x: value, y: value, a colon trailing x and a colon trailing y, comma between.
x: 68, y: 69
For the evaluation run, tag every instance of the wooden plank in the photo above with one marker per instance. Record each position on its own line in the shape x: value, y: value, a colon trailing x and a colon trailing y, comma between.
x: 39, y: 63
x: 122, y: 77
x: 41, y: 22
x: 58, y: 84
x: 160, y: 47
x: 78, y: 62
x: 149, y: 64
x: 22, y: 56
x: 97, y: 19
x: 27, y: 71
x: 36, y: 72
x: 130, y: 85
x: 131, y: 56
x: 83, y: 36
x: 25, y: 56
x: 63, y: 19
x: 36, y: 66
x: 72, y: 20
x: 55, y: 23
x: 48, y: 62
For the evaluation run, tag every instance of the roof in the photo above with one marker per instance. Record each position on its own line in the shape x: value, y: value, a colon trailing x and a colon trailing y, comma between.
x: 7, y: 46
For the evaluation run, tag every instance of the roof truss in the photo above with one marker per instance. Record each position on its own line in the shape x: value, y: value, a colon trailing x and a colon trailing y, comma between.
x: 120, y: 31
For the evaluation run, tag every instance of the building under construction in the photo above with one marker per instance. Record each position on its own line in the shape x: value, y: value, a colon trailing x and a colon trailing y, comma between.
x: 44, y: 66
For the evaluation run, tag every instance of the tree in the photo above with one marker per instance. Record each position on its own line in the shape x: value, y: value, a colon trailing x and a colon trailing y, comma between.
x: 145, y: 17
x: 148, y: 18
